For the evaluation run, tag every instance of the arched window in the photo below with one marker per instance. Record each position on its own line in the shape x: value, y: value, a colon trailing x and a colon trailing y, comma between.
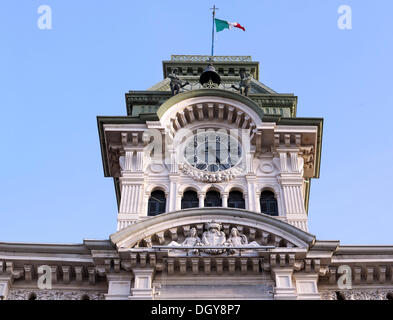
x: 189, y: 200
x: 85, y: 297
x: 157, y: 203
x: 213, y: 199
x: 340, y: 295
x: 32, y: 296
x: 268, y: 203
x: 236, y: 200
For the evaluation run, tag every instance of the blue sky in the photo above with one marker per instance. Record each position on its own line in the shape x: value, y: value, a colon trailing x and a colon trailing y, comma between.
x: 53, y: 84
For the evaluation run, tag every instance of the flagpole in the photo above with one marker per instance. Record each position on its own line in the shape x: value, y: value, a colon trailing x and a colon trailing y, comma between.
x: 214, y: 15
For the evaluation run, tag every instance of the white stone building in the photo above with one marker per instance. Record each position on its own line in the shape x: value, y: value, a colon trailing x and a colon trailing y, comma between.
x: 212, y: 188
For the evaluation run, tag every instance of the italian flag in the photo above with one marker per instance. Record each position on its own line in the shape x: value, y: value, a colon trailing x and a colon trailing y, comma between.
x: 222, y: 24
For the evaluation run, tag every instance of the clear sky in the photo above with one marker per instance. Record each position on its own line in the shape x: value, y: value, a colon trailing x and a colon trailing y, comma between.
x: 53, y: 84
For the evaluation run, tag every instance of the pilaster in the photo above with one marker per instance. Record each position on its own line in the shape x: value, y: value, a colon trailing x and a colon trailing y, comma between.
x: 284, y: 289
x: 143, y: 289
x: 292, y: 183
x: 307, y: 286
x: 5, y: 285
x: 119, y: 286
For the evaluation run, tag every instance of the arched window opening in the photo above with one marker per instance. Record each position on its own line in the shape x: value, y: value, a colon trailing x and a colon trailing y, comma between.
x: 389, y: 296
x: 157, y: 203
x: 236, y: 200
x: 85, y: 297
x: 189, y: 200
x: 340, y: 295
x: 32, y: 296
x: 213, y: 199
x: 268, y: 203
x: 112, y: 265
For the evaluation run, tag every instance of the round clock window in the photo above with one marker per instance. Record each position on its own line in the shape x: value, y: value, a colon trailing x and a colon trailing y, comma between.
x: 212, y: 151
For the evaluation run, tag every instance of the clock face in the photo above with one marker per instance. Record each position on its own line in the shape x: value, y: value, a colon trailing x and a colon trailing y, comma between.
x: 212, y: 151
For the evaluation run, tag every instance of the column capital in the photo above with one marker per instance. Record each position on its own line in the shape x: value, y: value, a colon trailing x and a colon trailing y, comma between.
x: 201, y: 194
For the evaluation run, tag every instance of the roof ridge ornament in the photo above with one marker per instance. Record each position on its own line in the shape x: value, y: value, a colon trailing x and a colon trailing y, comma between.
x: 207, y: 58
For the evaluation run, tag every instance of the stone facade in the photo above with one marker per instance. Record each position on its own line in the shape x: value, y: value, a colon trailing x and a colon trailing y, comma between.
x: 26, y: 294
x: 250, y: 242
x: 358, y: 294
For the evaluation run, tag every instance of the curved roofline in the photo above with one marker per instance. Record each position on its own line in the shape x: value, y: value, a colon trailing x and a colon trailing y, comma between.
x: 144, y: 227
x: 208, y: 92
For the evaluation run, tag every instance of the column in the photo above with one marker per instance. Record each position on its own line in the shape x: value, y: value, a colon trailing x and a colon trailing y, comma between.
x: 179, y: 196
x: 224, y: 198
x: 279, y: 204
x: 257, y: 202
x: 201, y: 197
x: 173, y: 193
x: 250, y: 200
x: 247, y: 201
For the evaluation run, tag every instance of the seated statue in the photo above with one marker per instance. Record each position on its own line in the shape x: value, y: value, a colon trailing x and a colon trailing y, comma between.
x: 176, y: 84
x: 245, y: 83
x: 191, y: 241
x: 236, y: 239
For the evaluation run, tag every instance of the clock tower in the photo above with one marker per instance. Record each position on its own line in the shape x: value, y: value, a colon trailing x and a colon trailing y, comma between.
x: 212, y: 172
x: 210, y: 134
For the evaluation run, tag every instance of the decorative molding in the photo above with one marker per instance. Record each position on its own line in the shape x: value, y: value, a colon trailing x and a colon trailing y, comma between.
x: 357, y: 294
x: 204, y: 176
x: 23, y: 294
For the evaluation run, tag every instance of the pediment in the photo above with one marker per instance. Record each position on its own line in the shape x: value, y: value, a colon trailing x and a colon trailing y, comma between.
x: 175, y: 226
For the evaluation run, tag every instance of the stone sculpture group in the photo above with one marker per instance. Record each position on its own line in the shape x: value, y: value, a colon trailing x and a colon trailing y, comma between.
x: 214, y: 237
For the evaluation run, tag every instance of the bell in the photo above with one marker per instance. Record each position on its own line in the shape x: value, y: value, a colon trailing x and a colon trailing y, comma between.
x: 210, y: 74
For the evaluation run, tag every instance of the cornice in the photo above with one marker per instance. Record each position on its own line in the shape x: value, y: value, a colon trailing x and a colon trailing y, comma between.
x: 56, y: 248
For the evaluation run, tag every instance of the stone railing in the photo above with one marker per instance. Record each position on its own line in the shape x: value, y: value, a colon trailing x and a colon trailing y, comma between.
x: 206, y: 58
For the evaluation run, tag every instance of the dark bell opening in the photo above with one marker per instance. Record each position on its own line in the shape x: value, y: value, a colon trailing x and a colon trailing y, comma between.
x: 209, y: 74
